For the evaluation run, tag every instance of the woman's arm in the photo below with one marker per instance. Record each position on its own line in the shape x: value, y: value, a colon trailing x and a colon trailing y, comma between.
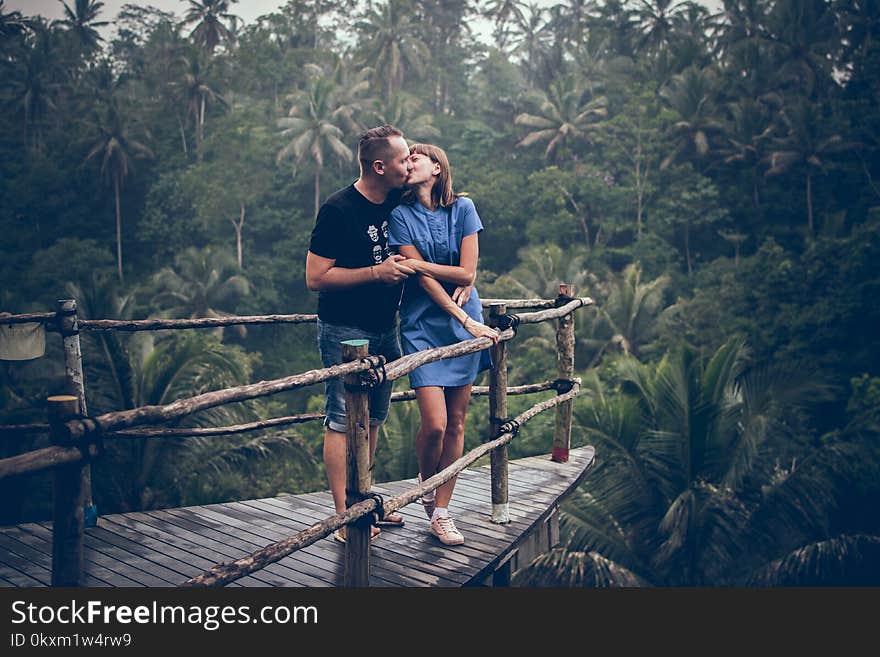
x: 463, y: 275
x: 439, y: 296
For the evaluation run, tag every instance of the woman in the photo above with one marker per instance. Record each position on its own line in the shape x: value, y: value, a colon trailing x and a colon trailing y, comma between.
x: 437, y: 231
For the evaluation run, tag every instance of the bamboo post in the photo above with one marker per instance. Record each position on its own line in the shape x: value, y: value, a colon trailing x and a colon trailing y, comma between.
x: 357, y: 480
x: 67, y: 517
x: 65, y: 313
x: 497, y: 416
x: 564, y: 370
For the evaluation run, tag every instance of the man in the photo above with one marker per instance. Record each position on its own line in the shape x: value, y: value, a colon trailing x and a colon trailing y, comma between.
x: 359, y: 284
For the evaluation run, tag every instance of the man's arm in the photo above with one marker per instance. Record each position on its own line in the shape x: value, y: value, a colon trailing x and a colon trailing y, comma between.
x: 463, y: 275
x: 323, y: 274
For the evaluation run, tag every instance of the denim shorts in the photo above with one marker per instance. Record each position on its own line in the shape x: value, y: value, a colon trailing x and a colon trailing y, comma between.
x: 330, y: 337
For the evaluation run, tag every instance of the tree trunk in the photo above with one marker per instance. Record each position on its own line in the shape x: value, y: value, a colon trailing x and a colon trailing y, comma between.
x: 586, y: 230
x: 641, y: 180
x: 687, y: 246
x: 755, y: 198
x: 317, y: 189
x: 118, y: 227
x: 239, y: 227
x: 810, y: 203
x: 182, y: 133
x: 200, y: 134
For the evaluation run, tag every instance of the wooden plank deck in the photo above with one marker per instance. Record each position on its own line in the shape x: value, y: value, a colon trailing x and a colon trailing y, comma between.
x: 164, y: 548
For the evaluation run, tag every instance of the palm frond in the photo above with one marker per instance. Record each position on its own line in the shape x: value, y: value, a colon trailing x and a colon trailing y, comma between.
x: 560, y: 568
x: 845, y: 560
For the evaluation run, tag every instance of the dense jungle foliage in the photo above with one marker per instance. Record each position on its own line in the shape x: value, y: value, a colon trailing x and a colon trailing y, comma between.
x: 710, y: 179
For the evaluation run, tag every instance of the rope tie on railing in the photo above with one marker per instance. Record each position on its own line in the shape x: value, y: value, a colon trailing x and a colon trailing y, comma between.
x: 506, y: 425
x: 59, y: 325
x: 95, y: 437
x: 371, y: 378
x: 511, y: 426
x: 378, y: 512
x: 507, y: 322
x: 563, y: 386
x: 562, y: 299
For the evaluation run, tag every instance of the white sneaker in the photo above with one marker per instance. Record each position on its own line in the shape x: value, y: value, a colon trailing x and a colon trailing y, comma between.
x: 445, y: 530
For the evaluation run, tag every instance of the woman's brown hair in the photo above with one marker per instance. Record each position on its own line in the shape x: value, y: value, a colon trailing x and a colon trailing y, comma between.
x: 441, y: 193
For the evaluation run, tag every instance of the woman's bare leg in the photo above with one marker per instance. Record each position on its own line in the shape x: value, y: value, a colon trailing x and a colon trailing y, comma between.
x: 457, y: 400
x: 429, y: 440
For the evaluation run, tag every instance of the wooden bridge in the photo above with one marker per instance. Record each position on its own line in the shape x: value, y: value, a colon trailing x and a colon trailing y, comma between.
x: 164, y: 548
x: 506, y: 510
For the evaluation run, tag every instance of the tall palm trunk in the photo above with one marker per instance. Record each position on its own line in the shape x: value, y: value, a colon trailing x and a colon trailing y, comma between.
x: 810, y: 203
x: 239, y: 227
x: 118, y: 227
x: 317, y: 189
x: 182, y: 132
x: 200, y: 134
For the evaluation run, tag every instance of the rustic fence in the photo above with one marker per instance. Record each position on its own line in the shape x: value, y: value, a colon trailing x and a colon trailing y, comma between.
x: 77, y: 438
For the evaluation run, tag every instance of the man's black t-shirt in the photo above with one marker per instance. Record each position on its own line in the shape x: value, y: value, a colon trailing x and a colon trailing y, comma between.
x: 354, y: 232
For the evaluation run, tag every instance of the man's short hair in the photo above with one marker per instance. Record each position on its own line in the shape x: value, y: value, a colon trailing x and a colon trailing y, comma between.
x: 373, y: 145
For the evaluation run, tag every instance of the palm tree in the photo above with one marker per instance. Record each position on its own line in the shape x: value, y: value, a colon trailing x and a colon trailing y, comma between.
x: 208, y: 15
x: 626, y: 319
x: 616, y: 22
x: 530, y: 39
x: 505, y: 14
x: 745, y: 22
x: 394, y: 42
x: 803, y: 36
x: 203, y: 283
x: 568, y: 116
x: 748, y: 134
x: 116, y: 144
x: 807, y: 145
x: 692, y: 95
x: 82, y: 21
x: 658, y: 20
x: 404, y: 111
x: 540, y: 270
x: 312, y: 125
x: 693, y: 490
x: 194, y: 88
x: 33, y: 83
x: 13, y: 23
x: 861, y: 24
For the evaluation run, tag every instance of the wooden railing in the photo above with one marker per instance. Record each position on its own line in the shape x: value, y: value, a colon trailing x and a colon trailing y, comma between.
x: 77, y: 438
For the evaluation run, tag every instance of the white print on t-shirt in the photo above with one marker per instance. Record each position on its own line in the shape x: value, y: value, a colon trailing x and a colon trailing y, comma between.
x: 377, y: 254
x: 385, y: 229
x: 373, y: 232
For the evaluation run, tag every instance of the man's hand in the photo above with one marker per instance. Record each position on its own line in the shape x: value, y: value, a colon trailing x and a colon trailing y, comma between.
x: 392, y: 270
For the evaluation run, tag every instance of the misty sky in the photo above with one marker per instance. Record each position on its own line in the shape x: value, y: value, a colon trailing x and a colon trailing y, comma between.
x: 248, y: 10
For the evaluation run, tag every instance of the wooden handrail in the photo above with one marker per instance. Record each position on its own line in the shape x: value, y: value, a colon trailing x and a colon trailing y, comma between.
x: 77, y: 429
x: 204, y: 322
x: 157, y: 324
x: 554, y: 313
x: 9, y: 318
x: 399, y: 396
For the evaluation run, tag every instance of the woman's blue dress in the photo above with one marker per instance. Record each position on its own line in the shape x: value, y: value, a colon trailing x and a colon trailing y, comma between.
x: 437, y: 235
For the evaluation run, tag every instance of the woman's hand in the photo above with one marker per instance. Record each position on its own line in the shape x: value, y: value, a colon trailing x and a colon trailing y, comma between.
x: 462, y: 294
x: 481, y: 330
x: 413, y: 263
